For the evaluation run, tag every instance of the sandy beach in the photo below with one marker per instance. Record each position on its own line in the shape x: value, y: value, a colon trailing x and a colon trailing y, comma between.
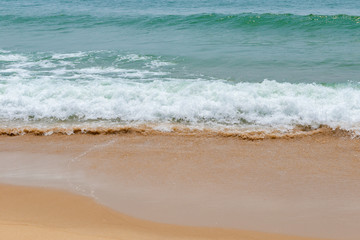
x: 163, y: 119
x: 305, y: 186
x: 37, y: 213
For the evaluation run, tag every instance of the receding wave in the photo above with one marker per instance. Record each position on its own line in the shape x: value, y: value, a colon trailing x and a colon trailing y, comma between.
x: 243, y: 20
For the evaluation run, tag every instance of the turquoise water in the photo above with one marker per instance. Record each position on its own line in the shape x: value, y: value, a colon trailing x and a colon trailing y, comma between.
x: 234, y: 63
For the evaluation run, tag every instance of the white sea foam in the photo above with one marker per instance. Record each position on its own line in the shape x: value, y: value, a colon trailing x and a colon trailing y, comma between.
x: 4, y: 51
x: 133, y: 57
x: 13, y: 74
x: 68, y: 55
x: 119, y: 71
x: 12, y: 58
x: 265, y: 104
x: 30, y: 64
x: 43, y: 88
x: 158, y: 63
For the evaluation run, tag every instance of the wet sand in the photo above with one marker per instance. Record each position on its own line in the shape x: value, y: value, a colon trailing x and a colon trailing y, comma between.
x: 36, y: 213
x: 306, y: 186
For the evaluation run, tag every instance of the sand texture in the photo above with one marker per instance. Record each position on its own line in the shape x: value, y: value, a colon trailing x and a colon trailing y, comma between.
x: 307, y: 186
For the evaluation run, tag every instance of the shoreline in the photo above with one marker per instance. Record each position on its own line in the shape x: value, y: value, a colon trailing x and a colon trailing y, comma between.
x: 295, y: 186
x: 249, y: 133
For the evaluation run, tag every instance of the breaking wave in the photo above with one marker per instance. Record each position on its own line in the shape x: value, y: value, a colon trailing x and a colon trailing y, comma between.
x: 121, y: 89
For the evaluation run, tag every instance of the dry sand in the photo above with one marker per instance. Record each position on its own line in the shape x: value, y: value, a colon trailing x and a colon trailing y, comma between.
x: 306, y: 186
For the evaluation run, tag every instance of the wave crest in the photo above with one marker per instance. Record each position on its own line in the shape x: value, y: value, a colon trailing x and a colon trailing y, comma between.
x: 242, y: 20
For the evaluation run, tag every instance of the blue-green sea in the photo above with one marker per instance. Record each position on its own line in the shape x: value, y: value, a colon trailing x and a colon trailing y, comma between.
x: 226, y: 63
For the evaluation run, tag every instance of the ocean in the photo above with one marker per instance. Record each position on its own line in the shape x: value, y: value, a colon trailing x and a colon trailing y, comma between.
x: 243, y: 66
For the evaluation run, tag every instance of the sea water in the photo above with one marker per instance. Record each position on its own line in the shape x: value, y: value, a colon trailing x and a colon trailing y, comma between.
x: 228, y: 64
